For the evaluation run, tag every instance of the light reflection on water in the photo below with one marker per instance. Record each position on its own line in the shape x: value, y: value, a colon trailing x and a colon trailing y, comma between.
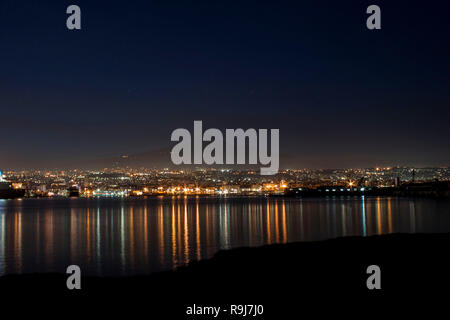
x: 140, y: 236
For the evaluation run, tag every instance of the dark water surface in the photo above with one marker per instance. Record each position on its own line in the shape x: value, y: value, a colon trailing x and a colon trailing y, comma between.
x: 114, y: 237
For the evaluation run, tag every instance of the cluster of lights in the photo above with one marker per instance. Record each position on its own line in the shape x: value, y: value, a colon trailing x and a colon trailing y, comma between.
x: 102, y: 193
x: 348, y: 189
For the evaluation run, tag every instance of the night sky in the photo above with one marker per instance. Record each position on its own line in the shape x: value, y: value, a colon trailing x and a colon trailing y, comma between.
x: 341, y: 95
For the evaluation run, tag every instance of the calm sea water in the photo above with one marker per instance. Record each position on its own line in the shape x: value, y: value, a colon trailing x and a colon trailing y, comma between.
x: 114, y: 237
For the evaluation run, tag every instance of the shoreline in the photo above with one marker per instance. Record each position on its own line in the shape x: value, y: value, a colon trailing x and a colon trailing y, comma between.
x: 435, y: 189
x: 241, y: 196
x: 278, y: 276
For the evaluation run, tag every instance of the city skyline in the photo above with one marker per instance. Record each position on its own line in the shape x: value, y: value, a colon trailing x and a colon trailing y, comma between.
x: 123, y: 182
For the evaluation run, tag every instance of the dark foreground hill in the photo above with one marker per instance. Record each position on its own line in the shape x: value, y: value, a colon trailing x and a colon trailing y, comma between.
x: 327, y: 278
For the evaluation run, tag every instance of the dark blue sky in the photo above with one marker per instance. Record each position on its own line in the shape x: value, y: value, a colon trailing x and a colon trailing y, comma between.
x: 340, y: 94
